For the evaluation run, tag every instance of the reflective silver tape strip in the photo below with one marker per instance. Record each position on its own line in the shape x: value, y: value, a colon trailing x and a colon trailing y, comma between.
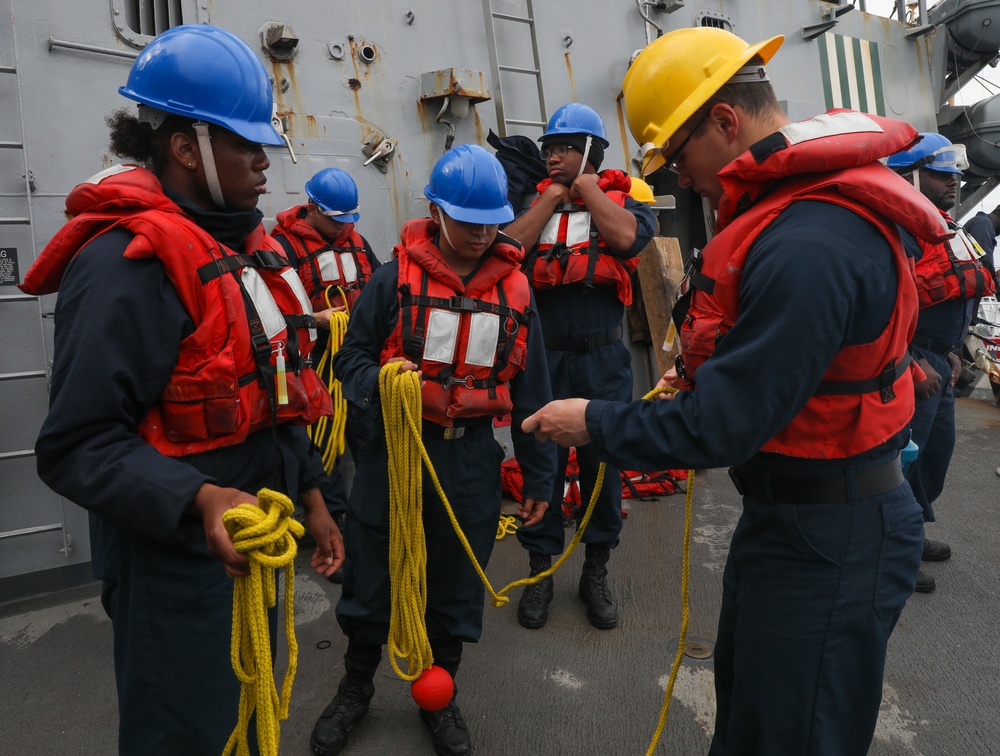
x: 270, y: 316
x: 484, y: 332
x: 349, y: 266
x: 295, y: 283
x: 442, y: 335
x: 829, y: 125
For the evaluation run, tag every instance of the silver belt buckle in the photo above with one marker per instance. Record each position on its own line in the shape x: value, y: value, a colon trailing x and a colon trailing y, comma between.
x: 452, y: 433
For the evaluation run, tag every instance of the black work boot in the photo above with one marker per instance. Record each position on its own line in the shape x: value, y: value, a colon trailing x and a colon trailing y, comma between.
x: 533, y: 608
x: 602, y: 612
x: 448, y: 730
x: 349, y: 706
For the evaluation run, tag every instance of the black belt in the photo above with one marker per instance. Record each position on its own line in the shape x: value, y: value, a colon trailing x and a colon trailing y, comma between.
x: 922, y: 342
x: 759, y: 483
x: 433, y: 430
x: 588, y: 344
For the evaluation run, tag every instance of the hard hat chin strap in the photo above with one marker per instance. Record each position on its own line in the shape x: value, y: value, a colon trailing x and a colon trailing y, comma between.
x: 208, y: 162
x: 586, y: 154
x: 443, y: 227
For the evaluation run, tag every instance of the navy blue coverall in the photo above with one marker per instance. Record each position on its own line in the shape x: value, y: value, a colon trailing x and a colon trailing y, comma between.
x: 573, y: 313
x: 941, y: 329
x: 468, y: 468
x: 118, y: 328
x: 811, y: 591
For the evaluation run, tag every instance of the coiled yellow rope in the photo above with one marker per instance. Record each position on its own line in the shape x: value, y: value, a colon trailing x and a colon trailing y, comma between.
x: 401, y: 407
x: 266, y: 534
x: 328, y: 432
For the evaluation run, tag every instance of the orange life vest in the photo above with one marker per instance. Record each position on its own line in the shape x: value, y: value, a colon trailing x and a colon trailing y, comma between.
x: 469, y: 339
x: 246, y: 308
x: 323, y: 264
x: 951, y: 269
x: 866, y: 395
x: 570, y: 249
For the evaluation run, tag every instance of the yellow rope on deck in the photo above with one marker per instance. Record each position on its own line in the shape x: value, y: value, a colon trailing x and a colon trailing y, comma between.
x: 266, y: 534
x: 328, y: 432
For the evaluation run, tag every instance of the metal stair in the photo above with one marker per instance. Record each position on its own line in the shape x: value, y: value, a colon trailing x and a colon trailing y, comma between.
x: 499, y: 69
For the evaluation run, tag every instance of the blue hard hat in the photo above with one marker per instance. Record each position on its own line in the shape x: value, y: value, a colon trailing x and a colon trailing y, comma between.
x: 470, y: 185
x: 576, y: 118
x: 933, y: 152
x: 335, y: 194
x: 205, y: 73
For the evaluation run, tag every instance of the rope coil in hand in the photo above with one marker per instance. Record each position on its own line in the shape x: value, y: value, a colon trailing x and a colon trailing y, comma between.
x: 328, y: 432
x: 266, y: 534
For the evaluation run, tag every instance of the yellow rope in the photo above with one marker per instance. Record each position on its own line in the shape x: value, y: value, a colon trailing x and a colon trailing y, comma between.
x: 401, y: 408
x: 506, y: 526
x: 401, y: 405
x: 266, y: 534
x: 685, y: 575
x: 328, y: 432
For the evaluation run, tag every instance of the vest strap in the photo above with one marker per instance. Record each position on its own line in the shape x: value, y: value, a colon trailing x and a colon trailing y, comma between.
x: 883, y: 382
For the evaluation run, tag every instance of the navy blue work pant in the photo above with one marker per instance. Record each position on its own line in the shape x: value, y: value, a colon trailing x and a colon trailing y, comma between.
x: 469, y: 471
x: 172, y: 612
x: 933, y: 430
x: 811, y: 593
x: 604, y: 373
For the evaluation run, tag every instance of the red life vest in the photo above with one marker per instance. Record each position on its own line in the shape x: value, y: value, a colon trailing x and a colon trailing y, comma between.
x: 323, y: 264
x: 867, y: 392
x: 951, y: 270
x: 570, y: 249
x: 244, y: 306
x: 469, y: 339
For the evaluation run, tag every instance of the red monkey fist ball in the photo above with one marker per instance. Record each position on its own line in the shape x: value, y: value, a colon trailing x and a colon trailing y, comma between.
x: 433, y: 689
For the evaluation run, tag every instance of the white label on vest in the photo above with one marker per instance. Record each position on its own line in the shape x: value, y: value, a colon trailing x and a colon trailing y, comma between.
x: 484, y: 332
x: 271, y: 318
x: 964, y: 247
x: 829, y: 125
x: 349, y: 266
x: 442, y: 333
x: 328, y: 270
x: 293, y: 280
x: 578, y: 229
x: 550, y: 231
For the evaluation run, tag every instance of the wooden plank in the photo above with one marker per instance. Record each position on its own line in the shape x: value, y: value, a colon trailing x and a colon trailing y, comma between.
x: 661, y: 270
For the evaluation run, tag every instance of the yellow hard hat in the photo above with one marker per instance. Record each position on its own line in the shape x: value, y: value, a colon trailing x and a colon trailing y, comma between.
x: 641, y: 191
x: 675, y: 75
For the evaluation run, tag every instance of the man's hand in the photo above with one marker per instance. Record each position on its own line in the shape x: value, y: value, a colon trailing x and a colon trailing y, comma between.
x: 956, y: 366
x: 531, y: 511
x: 583, y: 183
x: 210, y: 503
x: 563, y: 421
x: 669, y: 379
x: 329, y: 554
x: 931, y: 384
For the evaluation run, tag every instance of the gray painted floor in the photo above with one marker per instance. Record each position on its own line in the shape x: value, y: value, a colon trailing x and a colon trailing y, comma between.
x: 568, y: 688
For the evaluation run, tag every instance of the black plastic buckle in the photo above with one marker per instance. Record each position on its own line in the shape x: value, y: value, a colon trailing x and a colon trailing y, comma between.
x: 269, y: 259
x: 886, y: 379
x: 465, y: 304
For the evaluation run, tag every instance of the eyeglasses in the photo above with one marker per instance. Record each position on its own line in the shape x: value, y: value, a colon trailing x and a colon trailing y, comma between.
x: 674, y: 160
x: 558, y: 150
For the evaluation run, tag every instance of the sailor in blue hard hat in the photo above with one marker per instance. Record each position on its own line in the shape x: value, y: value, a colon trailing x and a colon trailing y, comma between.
x: 453, y: 304
x: 181, y: 382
